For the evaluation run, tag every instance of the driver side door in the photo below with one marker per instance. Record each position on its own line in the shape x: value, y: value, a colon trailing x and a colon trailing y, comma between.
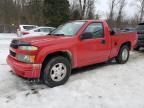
x: 95, y: 49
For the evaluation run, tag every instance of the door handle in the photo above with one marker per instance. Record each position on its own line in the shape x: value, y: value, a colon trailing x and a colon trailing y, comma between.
x: 103, y: 41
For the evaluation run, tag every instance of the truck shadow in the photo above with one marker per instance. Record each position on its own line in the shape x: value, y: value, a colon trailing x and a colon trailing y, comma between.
x: 93, y: 67
x: 34, y: 85
x: 113, y: 62
x: 100, y: 65
x: 141, y: 50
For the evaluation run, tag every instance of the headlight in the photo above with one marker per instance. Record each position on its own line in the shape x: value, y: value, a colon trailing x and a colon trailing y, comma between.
x: 28, y: 48
x: 26, y: 58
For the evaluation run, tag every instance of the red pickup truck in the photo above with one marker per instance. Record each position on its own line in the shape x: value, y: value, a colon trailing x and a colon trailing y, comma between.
x: 72, y: 45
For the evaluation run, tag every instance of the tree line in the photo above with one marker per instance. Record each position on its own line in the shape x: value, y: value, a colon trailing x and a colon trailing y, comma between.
x: 56, y: 12
x: 117, y: 15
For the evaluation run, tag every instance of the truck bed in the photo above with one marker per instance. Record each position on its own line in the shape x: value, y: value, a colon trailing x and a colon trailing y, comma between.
x: 122, y: 37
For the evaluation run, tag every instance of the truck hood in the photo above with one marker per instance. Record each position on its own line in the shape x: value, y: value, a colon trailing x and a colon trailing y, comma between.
x: 45, y: 40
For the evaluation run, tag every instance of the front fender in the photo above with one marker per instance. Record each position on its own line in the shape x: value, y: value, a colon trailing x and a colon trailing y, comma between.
x: 43, y: 53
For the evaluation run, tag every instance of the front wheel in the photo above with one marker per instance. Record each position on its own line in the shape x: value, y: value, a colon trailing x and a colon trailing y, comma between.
x: 57, y: 71
x: 123, y: 55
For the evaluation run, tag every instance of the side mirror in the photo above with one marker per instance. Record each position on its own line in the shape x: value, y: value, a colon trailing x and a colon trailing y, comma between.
x: 86, y: 35
x: 112, y: 32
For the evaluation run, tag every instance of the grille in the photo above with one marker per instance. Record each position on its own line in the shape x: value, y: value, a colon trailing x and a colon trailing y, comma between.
x: 12, y: 53
x: 14, y: 44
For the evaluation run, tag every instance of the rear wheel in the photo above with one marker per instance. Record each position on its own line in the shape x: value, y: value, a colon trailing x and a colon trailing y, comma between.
x: 57, y: 71
x: 123, y: 55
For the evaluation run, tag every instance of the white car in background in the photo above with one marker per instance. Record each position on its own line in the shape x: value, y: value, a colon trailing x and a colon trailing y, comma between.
x: 39, y: 31
x: 23, y: 28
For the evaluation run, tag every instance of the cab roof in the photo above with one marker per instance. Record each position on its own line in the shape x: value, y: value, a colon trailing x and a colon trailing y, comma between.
x: 91, y: 20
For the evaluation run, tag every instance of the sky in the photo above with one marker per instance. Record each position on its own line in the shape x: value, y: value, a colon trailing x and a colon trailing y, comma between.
x: 102, y: 7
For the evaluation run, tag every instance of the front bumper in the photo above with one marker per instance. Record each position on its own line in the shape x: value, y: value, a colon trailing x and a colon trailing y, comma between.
x: 23, y: 69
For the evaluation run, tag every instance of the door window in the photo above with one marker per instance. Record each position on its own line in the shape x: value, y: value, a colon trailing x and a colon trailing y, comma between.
x: 96, y: 29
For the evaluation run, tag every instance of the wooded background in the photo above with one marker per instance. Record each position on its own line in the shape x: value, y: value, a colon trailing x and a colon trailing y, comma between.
x: 56, y: 12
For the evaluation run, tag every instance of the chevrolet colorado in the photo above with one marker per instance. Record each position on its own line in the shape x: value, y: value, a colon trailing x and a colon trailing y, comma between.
x: 72, y: 45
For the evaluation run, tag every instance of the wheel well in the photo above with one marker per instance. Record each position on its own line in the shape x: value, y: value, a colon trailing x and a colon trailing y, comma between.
x: 65, y: 54
x: 127, y: 43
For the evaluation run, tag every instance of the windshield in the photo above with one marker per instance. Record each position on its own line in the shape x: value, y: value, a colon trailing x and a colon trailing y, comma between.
x: 68, y: 29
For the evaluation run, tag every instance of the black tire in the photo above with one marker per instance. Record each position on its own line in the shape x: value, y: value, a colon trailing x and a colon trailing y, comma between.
x: 46, y: 74
x: 137, y: 48
x: 119, y: 58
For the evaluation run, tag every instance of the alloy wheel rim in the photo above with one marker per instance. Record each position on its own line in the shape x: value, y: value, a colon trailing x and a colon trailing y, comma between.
x: 58, y: 72
x: 124, y: 54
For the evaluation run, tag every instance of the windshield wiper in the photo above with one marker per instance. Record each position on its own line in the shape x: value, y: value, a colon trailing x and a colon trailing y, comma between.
x: 58, y: 34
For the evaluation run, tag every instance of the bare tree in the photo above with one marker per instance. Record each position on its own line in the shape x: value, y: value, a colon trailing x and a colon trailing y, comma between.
x: 140, y: 6
x: 75, y: 11
x: 82, y: 4
x: 112, y: 7
x: 120, y: 16
x: 90, y: 9
x: 7, y: 11
x: 86, y: 7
